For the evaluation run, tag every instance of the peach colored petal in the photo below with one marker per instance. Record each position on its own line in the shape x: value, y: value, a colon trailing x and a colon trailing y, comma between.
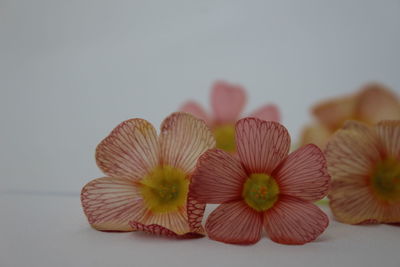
x: 218, y: 177
x: 131, y: 150
x: 183, y: 139
x: 227, y: 102
x: 111, y: 202
x: 376, y: 103
x: 333, y: 113
x: 261, y: 145
x: 196, y: 110
x: 354, y: 203
x: 176, y: 221
x: 304, y: 174
x: 162, y: 231
x: 267, y: 112
x: 195, y: 212
x: 352, y: 152
x: 234, y: 223
x: 315, y: 134
x: 389, y: 135
x: 294, y: 221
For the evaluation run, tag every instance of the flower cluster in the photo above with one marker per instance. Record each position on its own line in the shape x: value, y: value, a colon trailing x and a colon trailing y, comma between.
x: 161, y: 183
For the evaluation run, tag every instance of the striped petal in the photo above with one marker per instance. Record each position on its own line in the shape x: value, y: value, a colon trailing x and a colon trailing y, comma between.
x: 183, y: 139
x: 110, y: 203
x: 261, y: 145
x: 218, y: 177
x: 304, y: 174
x: 196, y: 110
x: 131, y: 150
x: 376, y: 103
x: 227, y: 101
x: 267, y: 112
x: 195, y: 212
x: 389, y: 135
x: 176, y: 221
x: 293, y: 221
x: 162, y: 231
x: 354, y: 203
x: 234, y: 223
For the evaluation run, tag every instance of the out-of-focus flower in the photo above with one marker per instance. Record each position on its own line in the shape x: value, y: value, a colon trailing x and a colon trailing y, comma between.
x: 263, y: 187
x: 227, y: 103
x: 373, y: 103
x: 148, y: 177
x: 364, y: 162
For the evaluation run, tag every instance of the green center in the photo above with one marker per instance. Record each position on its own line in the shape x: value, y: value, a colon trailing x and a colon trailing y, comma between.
x: 386, y: 180
x: 225, y: 137
x: 260, y: 191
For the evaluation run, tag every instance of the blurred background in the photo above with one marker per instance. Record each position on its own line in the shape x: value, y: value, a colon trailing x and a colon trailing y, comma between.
x: 70, y: 71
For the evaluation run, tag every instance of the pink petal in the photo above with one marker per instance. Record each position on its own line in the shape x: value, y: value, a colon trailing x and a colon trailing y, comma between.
x: 227, y: 101
x: 304, y: 174
x: 293, y: 221
x: 110, y: 203
x: 218, y: 177
x: 389, y: 135
x: 376, y: 103
x: 196, y: 110
x: 162, y: 231
x: 235, y: 223
x: 195, y: 211
x: 261, y: 145
x: 183, y: 139
x: 267, y: 112
x: 131, y: 150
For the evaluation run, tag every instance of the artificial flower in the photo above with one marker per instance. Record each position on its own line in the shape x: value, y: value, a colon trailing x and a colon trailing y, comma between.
x: 227, y: 103
x: 147, y: 177
x: 373, y: 103
x: 364, y: 162
x: 263, y: 187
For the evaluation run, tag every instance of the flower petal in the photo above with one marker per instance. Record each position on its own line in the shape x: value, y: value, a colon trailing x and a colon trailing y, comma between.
x: 196, y: 110
x: 218, y: 177
x: 235, y: 223
x: 293, y: 221
x: 333, y: 113
x: 315, y: 134
x: 131, y: 150
x: 389, y: 135
x: 176, y: 222
x: 267, y: 112
x: 261, y: 145
x: 354, y: 203
x: 195, y: 212
x: 162, y: 231
x: 227, y: 101
x: 351, y: 153
x: 183, y: 139
x: 376, y: 103
x: 304, y: 174
x: 111, y: 202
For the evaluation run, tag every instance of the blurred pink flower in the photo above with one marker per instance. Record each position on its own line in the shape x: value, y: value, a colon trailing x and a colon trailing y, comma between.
x: 227, y: 103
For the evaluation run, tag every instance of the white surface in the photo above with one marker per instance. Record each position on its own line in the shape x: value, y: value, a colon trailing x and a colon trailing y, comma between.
x: 72, y: 70
x: 52, y: 231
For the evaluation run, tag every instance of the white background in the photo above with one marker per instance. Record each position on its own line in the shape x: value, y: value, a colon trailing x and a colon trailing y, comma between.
x: 72, y: 70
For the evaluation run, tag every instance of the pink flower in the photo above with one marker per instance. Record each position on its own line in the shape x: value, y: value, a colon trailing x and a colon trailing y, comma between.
x: 364, y: 162
x: 263, y: 187
x: 147, y: 177
x: 227, y: 103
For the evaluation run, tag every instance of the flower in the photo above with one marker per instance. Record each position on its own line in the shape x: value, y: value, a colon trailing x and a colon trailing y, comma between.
x: 227, y: 102
x: 263, y: 187
x: 373, y: 103
x: 147, y: 177
x: 364, y: 162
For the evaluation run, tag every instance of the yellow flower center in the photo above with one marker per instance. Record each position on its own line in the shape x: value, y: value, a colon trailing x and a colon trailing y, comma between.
x: 165, y: 189
x: 386, y: 180
x: 225, y: 137
x: 260, y: 191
